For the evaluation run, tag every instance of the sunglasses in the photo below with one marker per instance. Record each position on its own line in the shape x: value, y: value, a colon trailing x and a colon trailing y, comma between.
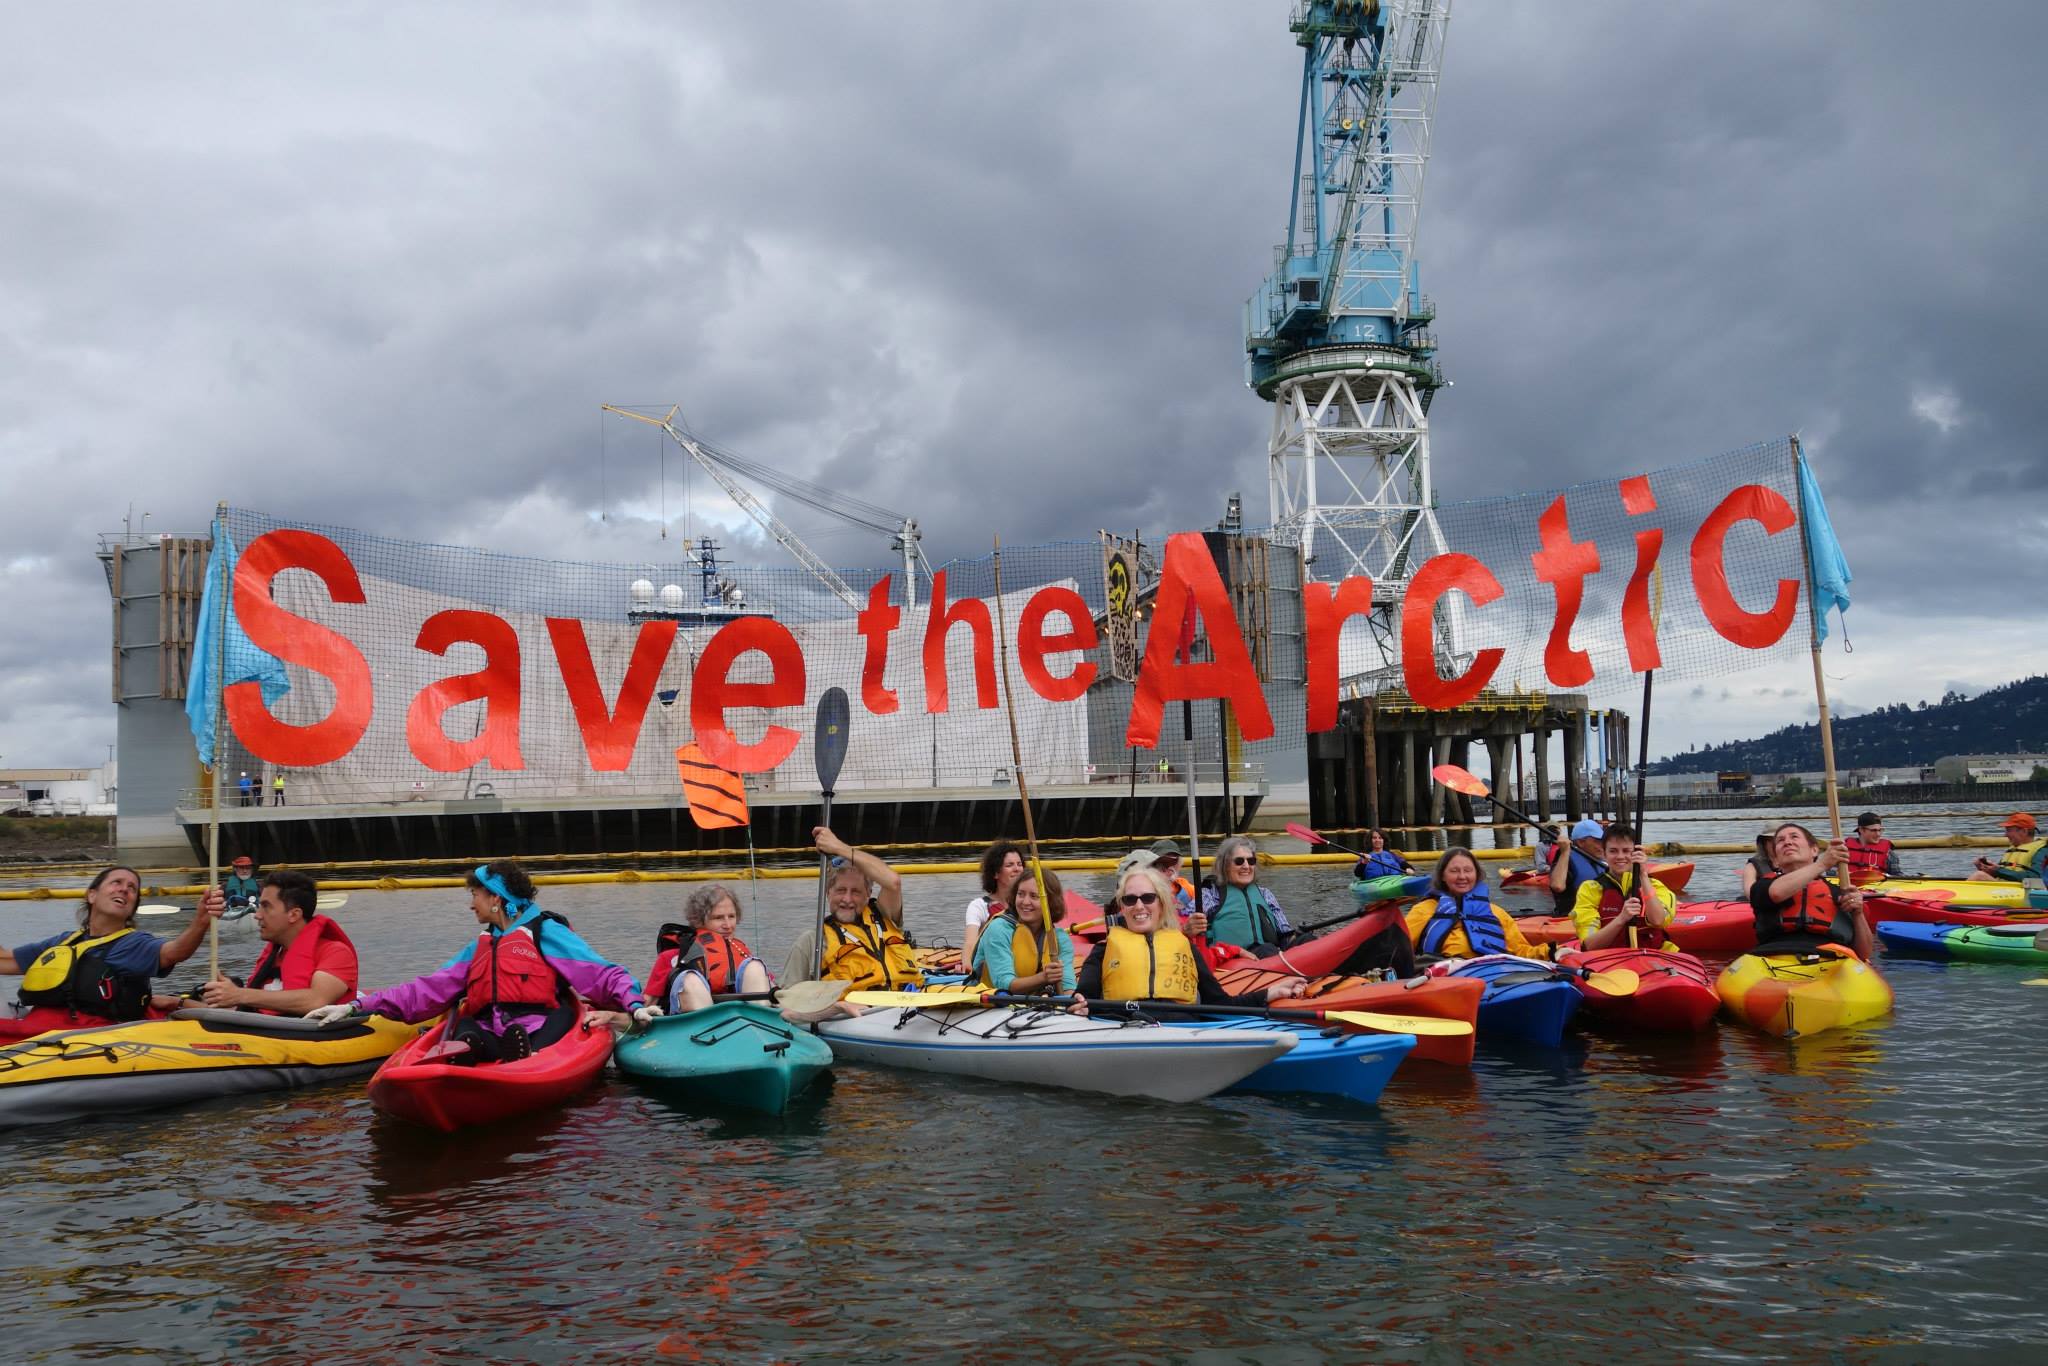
x: 1139, y: 898
x: 1242, y: 861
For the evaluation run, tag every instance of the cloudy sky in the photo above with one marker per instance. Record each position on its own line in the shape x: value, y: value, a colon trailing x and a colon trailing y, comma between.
x: 379, y: 265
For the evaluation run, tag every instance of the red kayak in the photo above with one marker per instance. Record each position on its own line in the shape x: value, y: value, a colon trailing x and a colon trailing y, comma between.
x: 1675, y: 992
x: 450, y: 1096
x: 1442, y: 998
x: 1672, y: 875
x: 1922, y: 911
x: 47, y: 1019
x: 1714, y: 929
x: 1314, y: 957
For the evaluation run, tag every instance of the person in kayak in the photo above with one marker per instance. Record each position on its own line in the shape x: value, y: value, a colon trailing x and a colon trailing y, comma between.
x: 513, y: 990
x: 1624, y: 907
x: 1166, y: 858
x: 102, y: 969
x: 2026, y: 854
x: 1001, y: 865
x: 1871, y: 856
x: 1458, y: 919
x: 1799, y: 910
x: 1379, y: 859
x: 242, y: 886
x: 707, y: 958
x: 306, y: 961
x: 1142, y: 958
x: 864, y: 939
x: 1574, y: 866
x: 1758, y: 865
x: 1240, y: 911
x: 1011, y: 955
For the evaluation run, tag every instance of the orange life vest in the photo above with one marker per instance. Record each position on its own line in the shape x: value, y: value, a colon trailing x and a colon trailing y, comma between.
x: 509, y: 970
x: 1867, y: 862
x: 1812, y: 910
x: 719, y: 957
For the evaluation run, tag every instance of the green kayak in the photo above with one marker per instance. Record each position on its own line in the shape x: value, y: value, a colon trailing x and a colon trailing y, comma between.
x: 1995, y: 944
x: 732, y: 1053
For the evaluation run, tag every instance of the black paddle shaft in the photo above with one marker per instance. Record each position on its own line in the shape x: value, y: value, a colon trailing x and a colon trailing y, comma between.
x: 828, y: 747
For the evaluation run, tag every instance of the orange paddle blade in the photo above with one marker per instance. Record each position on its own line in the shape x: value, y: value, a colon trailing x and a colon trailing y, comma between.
x: 717, y: 796
x: 1458, y: 780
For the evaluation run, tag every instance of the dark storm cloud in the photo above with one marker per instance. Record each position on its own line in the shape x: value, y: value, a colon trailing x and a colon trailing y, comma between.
x: 982, y: 264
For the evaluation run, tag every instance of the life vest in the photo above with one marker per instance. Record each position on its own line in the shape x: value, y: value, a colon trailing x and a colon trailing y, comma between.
x: 872, y: 952
x: 72, y: 974
x: 241, y: 889
x: 1385, y: 863
x: 509, y: 970
x: 1159, y: 966
x: 1027, y: 950
x: 292, y: 967
x: 1583, y: 870
x: 1868, y: 862
x: 2020, y: 858
x: 1245, y: 921
x: 719, y: 957
x: 1473, y: 913
x: 1812, y: 910
x: 1611, y: 898
x: 671, y: 942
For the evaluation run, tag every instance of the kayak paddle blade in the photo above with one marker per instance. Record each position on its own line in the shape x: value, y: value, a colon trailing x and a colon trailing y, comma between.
x: 1615, y: 981
x: 330, y: 901
x: 829, y: 744
x: 158, y: 908
x: 914, y: 999
x: 1397, y: 1024
x: 1305, y: 835
x: 1458, y: 780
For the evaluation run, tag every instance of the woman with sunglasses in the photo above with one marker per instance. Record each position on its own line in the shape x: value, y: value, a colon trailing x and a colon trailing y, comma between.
x: 1143, y: 958
x: 1240, y: 911
x: 1010, y: 953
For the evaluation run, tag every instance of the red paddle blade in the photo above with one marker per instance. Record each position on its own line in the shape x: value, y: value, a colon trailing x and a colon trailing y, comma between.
x: 1305, y: 835
x: 717, y: 796
x: 1458, y: 780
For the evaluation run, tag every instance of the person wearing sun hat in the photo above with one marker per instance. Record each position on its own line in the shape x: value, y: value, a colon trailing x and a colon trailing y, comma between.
x: 1576, y: 865
x: 242, y: 885
x: 2025, y: 856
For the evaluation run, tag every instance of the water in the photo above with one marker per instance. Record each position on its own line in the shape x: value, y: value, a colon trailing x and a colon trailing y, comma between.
x: 1876, y: 1194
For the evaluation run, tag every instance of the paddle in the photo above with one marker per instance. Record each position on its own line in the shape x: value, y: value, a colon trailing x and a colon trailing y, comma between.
x: 1458, y: 780
x: 1609, y: 981
x: 828, y: 748
x: 158, y: 908
x: 798, y: 996
x: 330, y: 901
x: 1315, y: 840
x: 1049, y: 948
x: 1358, y: 1019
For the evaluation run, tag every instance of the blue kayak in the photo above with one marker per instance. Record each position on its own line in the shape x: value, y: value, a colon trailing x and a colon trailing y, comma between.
x: 733, y: 1053
x: 1970, y: 943
x: 1325, y: 1059
x: 1525, y: 999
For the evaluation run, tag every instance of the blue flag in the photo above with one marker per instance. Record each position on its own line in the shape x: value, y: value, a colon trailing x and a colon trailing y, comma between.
x: 244, y: 662
x: 1831, y: 576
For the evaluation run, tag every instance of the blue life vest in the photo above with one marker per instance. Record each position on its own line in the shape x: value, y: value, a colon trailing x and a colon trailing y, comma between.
x: 1472, y: 913
x: 1386, y: 863
x: 1583, y: 870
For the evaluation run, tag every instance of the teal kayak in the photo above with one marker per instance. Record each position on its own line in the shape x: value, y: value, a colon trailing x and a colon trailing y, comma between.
x: 732, y: 1053
x: 1965, y: 943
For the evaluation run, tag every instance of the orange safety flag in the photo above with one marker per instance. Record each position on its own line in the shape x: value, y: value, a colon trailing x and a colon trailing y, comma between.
x: 717, y: 796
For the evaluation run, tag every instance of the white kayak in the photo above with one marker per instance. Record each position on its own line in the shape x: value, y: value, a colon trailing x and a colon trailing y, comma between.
x: 1053, y: 1048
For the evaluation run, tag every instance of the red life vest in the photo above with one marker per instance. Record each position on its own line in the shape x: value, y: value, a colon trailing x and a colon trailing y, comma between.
x: 292, y: 968
x: 719, y: 957
x: 1867, y: 862
x: 1647, y: 936
x: 509, y: 970
x: 1811, y: 910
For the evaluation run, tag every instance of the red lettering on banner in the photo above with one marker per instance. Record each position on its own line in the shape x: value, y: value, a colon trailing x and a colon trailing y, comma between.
x: 1736, y: 624
x: 1033, y: 644
x: 1638, y: 620
x: 496, y: 685
x: 610, y: 733
x: 1441, y: 574
x: 1188, y: 581
x: 1562, y: 563
x: 874, y: 623
x: 307, y: 644
x: 942, y: 619
x: 712, y: 694
x: 1324, y: 611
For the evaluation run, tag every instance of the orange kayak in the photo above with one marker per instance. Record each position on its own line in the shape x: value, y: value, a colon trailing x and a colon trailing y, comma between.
x: 1443, y: 998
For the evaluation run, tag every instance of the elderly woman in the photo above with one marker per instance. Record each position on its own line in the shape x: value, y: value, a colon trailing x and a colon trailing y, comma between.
x: 102, y: 969
x: 1143, y: 958
x: 1458, y: 919
x: 709, y: 958
x: 1001, y: 865
x: 1011, y: 955
x: 1798, y: 909
x: 1240, y: 911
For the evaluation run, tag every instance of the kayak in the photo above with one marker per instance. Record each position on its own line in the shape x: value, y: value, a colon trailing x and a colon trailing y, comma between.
x: 1672, y: 875
x: 1902, y: 909
x: 1674, y: 993
x: 1325, y: 1060
x: 450, y: 1095
x: 1326, y: 952
x: 1715, y: 929
x: 48, y: 1019
x: 1962, y: 891
x: 1967, y: 943
x: 1525, y: 998
x: 1547, y: 929
x: 195, y: 1055
x: 1794, y: 995
x: 1444, y: 998
x: 1052, y: 1048
x: 730, y: 1053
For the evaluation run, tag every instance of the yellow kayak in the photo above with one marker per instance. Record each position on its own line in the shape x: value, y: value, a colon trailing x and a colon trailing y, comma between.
x: 1956, y: 891
x: 1794, y: 995
x: 194, y: 1055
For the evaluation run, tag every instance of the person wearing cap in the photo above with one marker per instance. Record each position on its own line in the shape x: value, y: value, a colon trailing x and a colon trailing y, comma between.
x: 513, y: 990
x: 242, y: 885
x: 248, y: 787
x: 1166, y: 858
x: 1575, y: 866
x: 1871, y: 856
x: 2024, y: 855
x: 307, y: 960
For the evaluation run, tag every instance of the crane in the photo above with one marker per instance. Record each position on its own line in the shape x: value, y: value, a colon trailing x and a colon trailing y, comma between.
x: 726, y: 470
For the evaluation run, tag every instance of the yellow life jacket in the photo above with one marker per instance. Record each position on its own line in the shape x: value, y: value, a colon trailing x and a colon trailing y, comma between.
x: 872, y: 953
x: 1159, y: 966
x: 2020, y: 858
x: 74, y: 975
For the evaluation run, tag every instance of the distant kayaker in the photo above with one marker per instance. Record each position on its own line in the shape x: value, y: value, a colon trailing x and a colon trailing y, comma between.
x: 864, y: 939
x: 514, y: 989
x: 2026, y: 854
x: 1011, y: 954
x: 102, y: 969
x: 1799, y: 910
x: 1624, y: 907
x: 242, y: 884
x: 1002, y: 863
x: 1240, y: 911
x: 709, y: 959
x: 1380, y: 860
x: 1166, y: 858
x: 1758, y: 864
x: 1143, y: 959
x: 1871, y: 856
x: 1575, y: 866
x: 1458, y: 919
x: 306, y: 962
